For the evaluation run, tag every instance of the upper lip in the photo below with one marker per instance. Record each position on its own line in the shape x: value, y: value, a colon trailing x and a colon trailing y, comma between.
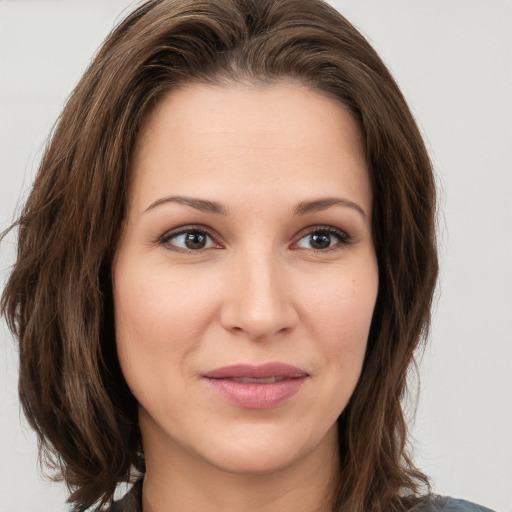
x: 262, y: 371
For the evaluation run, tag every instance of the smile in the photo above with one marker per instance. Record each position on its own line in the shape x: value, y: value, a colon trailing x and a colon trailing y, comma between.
x: 256, y: 387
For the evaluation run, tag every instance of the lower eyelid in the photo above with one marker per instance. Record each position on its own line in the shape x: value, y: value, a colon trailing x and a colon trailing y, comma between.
x: 166, y: 239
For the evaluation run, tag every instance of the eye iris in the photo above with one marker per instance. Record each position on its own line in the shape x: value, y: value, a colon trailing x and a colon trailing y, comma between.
x: 320, y: 240
x: 195, y: 240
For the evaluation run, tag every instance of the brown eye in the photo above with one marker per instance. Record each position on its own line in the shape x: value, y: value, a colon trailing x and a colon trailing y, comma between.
x: 320, y: 240
x: 195, y: 240
x: 323, y: 239
x: 189, y: 240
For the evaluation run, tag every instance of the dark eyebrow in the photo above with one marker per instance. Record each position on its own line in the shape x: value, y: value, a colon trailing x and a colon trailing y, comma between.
x: 199, y: 204
x: 302, y: 208
x: 318, y: 205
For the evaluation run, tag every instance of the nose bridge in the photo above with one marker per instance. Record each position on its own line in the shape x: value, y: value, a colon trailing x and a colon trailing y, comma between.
x: 258, y: 302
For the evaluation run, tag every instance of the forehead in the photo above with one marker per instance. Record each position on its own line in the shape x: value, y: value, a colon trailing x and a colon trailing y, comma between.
x: 281, y: 135
x: 252, y: 113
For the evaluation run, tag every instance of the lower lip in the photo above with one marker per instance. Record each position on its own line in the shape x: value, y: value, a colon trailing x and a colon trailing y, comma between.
x: 256, y: 395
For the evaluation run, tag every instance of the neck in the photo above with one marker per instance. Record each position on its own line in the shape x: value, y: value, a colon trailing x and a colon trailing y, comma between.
x: 178, y: 480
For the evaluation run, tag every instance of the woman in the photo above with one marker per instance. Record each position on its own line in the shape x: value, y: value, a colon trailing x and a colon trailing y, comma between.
x: 240, y: 211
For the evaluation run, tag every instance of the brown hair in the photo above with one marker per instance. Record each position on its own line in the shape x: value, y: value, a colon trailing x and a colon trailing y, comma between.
x: 58, y: 300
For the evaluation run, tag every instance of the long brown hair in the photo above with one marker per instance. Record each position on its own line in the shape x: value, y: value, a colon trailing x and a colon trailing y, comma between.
x: 58, y: 299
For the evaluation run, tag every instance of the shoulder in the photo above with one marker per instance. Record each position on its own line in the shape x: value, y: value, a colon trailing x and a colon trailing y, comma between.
x: 130, y: 502
x: 447, y: 504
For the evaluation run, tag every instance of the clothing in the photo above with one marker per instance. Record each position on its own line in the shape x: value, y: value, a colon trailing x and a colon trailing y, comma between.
x: 132, y: 502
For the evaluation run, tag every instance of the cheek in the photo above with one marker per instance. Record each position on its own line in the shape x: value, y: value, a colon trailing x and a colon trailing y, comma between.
x: 157, y: 325
x: 158, y: 309
x: 340, y: 309
x: 339, y: 319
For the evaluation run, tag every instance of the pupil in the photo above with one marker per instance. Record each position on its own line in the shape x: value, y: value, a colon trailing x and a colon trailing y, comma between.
x: 195, y: 240
x: 320, y: 240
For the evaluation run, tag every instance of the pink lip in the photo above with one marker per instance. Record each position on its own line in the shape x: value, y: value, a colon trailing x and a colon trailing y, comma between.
x: 256, y: 395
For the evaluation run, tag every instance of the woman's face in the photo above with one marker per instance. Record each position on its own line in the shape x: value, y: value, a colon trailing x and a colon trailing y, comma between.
x: 246, y: 277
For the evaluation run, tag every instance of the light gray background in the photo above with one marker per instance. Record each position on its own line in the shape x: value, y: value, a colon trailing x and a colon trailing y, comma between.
x: 453, y: 60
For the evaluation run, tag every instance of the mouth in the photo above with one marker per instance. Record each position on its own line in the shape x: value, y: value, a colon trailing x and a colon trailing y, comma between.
x: 247, y: 380
x: 273, y: 370
x: 256, y: 387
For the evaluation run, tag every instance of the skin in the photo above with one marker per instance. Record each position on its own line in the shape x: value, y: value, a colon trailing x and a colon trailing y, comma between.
x: 256, y: 292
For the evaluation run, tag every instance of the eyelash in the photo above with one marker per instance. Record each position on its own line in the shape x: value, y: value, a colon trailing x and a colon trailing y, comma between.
x: 164, y: 239
x: 343, y: 238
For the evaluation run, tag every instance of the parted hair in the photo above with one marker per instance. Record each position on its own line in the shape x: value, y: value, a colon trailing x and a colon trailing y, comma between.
x: 58, y: 299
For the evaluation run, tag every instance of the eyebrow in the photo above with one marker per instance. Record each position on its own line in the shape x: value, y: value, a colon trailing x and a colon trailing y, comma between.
x: 303, y: 208
x: 318, y: 205
x: 199, y: 204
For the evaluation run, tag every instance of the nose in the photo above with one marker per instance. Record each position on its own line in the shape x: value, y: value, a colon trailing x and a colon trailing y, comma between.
x: 258, y: 299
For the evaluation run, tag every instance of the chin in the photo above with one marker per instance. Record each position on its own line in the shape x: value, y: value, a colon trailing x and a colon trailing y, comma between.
x: 257, y: 462
x: 265, y: 452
